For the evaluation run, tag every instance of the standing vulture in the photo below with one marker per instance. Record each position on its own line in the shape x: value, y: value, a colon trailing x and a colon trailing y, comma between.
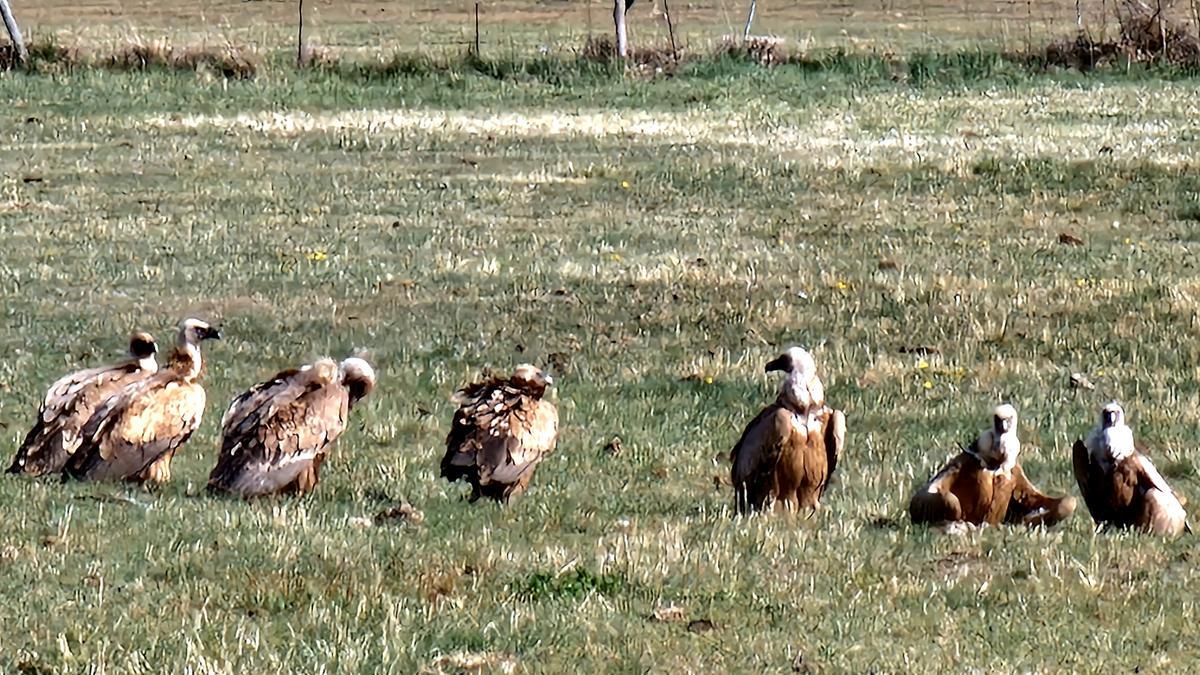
x: 985, y: 484
x: 788, y: 453
x: 276, y: 435
x: 69, y: 404
x: 501, y: 430
x: 135, y: 433
x: 1120, y: 485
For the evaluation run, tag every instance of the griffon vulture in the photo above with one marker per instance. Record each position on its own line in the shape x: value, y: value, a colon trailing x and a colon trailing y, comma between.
x: 986, y: 484
x: 788, y: 453
x: 276, y: 435
x: 1120, y: 485
x: 501, y: 430
x: 69, y: 404
x: 134, y: 434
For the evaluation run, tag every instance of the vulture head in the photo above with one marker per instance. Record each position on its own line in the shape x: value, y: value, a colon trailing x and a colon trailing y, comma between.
x: 1111, y: 439
x: 1112, y: 415
x: 192, y: 331
x: 531, y: 377
x: 142, y: 346
x: 358, y: 377
x: 795, y: 361
x: 802, y: 390
x: 1004, y: 420
x: 322, y: 371
x: 999, y: 446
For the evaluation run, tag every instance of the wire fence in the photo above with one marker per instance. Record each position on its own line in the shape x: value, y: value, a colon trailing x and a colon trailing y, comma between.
x: 532, y: 26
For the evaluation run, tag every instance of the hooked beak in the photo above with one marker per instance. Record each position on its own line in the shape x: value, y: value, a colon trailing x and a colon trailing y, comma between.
x: 549, y: 380
x: 780, y: 363
x: 1110, y: 418
x: 210, y: 333
x: 1001, y: 425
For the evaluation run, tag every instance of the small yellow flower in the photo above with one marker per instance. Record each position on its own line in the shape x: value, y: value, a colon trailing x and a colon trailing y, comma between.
x: 1128, y: 241
x: 1080, y: 283
x: 842, y: 285
x: 708, y: 379
x: 927, y: 384
x: 616, y: 257
x: 1099, y: 373
x: 624, y: 185
x: 922, y: 364
x: 317, y: 256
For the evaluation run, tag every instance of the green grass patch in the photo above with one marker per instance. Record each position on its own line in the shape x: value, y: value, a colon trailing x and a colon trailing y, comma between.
x: 654, y: 242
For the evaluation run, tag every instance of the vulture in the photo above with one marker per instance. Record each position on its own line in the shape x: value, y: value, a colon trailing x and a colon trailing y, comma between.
x: 501, y: 430
x: 985, y: 484
x: 69, y: 403
x: 276, y: 435
x: 1119, y: 484
x: 787, y: 454
x: 134, y: 434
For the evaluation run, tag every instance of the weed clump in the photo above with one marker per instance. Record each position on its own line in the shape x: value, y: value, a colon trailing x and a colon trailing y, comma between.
x: 1146, y: 36
x: 761, y: 49
x: 47, y: 55
x: 644, y: 60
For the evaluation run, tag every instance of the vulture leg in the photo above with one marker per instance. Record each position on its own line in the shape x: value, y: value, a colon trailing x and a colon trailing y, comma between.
x: 1161, y: 514
x: 521, y: 485
x: 307, y: 480
x: 157, y: 473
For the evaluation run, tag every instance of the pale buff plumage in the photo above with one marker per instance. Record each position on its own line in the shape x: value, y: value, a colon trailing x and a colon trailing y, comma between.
x: 69, y: 404
x: 985, y: 484
x: 787, y: 454
x: 137, y: 431
x: 502, y: 429
x: 276, y: 435
x: 1120, y: 485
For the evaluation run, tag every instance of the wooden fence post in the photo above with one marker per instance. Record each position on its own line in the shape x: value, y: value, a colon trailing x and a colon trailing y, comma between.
x: 619, y: 20
x: 749, y: 20
x: 670, y: 30
x: 300, y: 60
x: 14, y: 33
x: 476, y: 30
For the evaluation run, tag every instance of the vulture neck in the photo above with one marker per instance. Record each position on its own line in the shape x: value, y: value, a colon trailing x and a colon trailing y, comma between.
x: 1111, y: 444
x: 794, y: 393
x: 998, y: 452
x: 148, y: 364
x: 186, y: 360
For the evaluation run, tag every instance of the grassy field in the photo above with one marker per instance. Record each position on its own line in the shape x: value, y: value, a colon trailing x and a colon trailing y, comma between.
x: 655, y: 243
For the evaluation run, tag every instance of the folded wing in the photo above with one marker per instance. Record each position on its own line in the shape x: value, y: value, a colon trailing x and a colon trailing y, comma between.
x: 278, y: 431
x: 67, y: 407
x: 145, y: 422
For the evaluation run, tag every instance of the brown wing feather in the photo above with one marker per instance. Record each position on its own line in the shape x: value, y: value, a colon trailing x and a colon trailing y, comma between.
x: 68, y: 405
x: 1030, y: 506
x: 499, y: 434
x: 1081, y: 462
x: 252, y: 401
x: 277, y: 433
x: 835, y: 442
x: 136, y: 428
x: 755, y: 456
x: 934, y: 502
